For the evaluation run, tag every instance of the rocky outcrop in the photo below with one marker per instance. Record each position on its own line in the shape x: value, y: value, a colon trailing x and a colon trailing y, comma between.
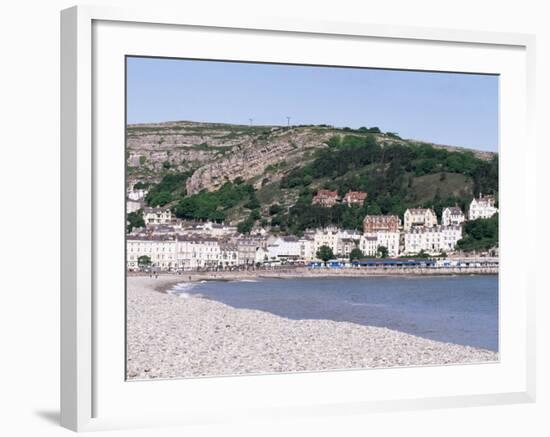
x: 251, y: 159
x: 218, y: 153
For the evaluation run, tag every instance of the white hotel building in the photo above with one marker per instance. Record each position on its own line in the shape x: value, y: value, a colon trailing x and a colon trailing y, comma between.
x: 452, y: 215
x: 162, y: 250
x: 195, y: 253
x: 425, y: 217
x: 432, y: 240
x: 284, y: 248
x: 370, y: 243
x: 157, y: 216
x: 171, y: 253
x: 326, y: 237
x: 341, y: 241
x: 483, y: 207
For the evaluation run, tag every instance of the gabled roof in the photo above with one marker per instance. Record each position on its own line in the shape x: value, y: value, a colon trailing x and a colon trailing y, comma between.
x: 419, y: 210
x: 454, y: 210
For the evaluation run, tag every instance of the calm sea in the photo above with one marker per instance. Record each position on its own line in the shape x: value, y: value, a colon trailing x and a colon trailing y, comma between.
x: 456, y: 309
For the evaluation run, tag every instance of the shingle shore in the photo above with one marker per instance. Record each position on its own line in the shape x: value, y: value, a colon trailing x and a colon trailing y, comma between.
x: 173, y: 337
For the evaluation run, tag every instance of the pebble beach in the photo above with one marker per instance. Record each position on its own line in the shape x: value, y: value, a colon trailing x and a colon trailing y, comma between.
x: 175, y: 337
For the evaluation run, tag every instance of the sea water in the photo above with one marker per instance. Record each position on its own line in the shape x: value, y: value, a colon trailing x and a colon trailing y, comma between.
x: 455, y: 309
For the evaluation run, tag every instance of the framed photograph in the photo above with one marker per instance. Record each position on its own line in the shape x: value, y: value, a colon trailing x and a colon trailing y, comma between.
x: 268, y: 219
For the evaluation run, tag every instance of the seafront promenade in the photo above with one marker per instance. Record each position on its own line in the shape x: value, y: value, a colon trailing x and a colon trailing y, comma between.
x: 301, y: 272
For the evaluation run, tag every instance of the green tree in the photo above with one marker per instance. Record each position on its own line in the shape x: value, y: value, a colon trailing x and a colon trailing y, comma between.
x: 382, y: 251
x: 480, y: 234
x: 142, y: 160
x: 325, y: 253
x: 255, y: 215
x: 373, y: 209
x: 135, y: 220
x: 275, y: 209
x: 253, y: 203
x: 172, y: 184
x: 245, y: 226
x: 356, y: 254
x: 141, y: 185
x: 144, y: 261
x: 278, y: 220
x: 160, y: 199
x: 334, y: 141
x: 213, y: 205
x: 166, y: 165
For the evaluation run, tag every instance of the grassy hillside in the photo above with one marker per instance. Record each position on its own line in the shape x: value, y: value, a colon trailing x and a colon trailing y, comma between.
x: 268, y: 175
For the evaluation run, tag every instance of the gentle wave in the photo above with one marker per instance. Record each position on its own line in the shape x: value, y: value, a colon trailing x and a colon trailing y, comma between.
x: 181, y: 289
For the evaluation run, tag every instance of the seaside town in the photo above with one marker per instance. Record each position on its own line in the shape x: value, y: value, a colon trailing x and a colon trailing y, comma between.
x: 418, y: 239
x: 310, y: 238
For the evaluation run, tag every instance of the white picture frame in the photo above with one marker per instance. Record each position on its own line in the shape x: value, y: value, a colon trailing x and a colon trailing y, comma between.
x: 94, y: 394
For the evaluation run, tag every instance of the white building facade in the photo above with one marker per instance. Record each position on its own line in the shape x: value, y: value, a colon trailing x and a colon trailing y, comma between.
x: 483, y: 207
x: 452, y: 215
x: 326, y: 237
x: 133, y: 206
x: 371, y: 242
x: 284, y: 248
x: 138, y: 194
x: 307, y: 249
x: 157, y: 216
x: 198, y: 253
x: 162, y: 252
x: 419, y: 217
x: 433, y: 240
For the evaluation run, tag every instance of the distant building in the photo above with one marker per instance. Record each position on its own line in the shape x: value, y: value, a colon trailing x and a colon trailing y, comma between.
x: 134, y: 194
x: 197, y: 252
x: 161, y: 250
x: 354, y: 197
x: 161, y: 230
x: 432, y: 240
x: 307, y: 248
x: 219, y: 229
x: 369, y: 245
x: 371, y: 242
x: 419, y: 217
x: 229, y: 256
x: 157, y: 216
x: 326, y: 198
x: 247, y: 248
x: 349, y: 233
x: 209, y: 228
x: 375, y: 223
x: 483, y: 207
x: 261, y: 255
x: 286, y: 248
x: 452, y: 215
x: 344, y: 247
x: 133, y: 205
x: 326, y: 237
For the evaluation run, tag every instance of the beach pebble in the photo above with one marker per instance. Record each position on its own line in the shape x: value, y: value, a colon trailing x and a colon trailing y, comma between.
x: 169, y: 337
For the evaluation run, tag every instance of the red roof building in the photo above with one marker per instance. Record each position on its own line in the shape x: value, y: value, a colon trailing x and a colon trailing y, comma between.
x: 352, y: 197
x: 380, y: 223
x: 326, y: 198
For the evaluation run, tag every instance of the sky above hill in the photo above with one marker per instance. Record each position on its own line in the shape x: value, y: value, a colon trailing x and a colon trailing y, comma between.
x: 445, y: 108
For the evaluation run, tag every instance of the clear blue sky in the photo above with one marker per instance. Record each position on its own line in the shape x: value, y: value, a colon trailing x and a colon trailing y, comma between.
x: 445, y: 108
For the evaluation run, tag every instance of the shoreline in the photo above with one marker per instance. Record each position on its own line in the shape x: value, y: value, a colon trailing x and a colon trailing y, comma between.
x: 174, y: 278
x: 173, y: 337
